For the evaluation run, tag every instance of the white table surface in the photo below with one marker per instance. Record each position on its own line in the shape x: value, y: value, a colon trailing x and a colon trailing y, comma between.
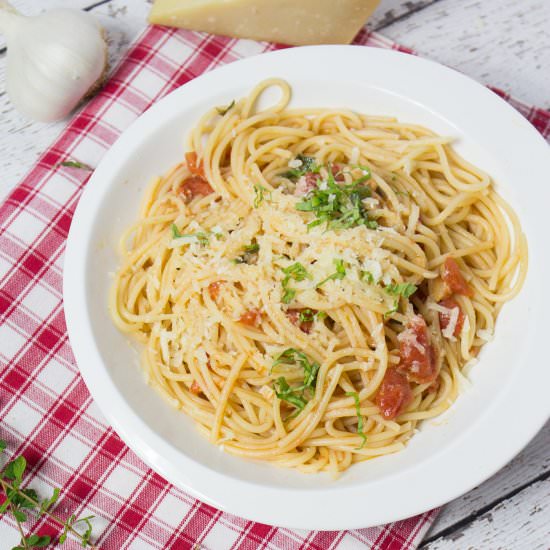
x: 505, y: 43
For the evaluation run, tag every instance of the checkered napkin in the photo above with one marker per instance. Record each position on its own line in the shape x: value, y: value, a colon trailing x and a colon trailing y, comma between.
x: 46, y: 412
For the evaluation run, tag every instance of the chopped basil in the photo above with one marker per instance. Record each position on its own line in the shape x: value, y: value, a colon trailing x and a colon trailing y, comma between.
x: 340, y: 273
x: 224, y: 110
x: 339, y: 205
x: 297, y: 396
x: 355, y: 396
x: 403, y: 289
x: 260, y: 191
x: 367, y: 276
x: 306, y: 315
x: 297, y: 272
x: 201, y: 236
x: 309, y: 164
x: 249, y: 254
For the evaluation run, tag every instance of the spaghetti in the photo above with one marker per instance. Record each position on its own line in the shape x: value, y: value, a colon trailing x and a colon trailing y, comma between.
x: 310, y: 284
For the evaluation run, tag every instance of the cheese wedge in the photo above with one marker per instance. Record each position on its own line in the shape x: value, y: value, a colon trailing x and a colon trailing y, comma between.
x: 295, y: 22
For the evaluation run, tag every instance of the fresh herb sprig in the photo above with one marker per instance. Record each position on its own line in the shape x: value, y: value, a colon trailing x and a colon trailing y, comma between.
x: 360, y: 432
x: 19, y: 502
x: 297, y: 272
x: 340, y: 273
x: 76, y: 164
x: 296, y: 396
x: 339, y: 205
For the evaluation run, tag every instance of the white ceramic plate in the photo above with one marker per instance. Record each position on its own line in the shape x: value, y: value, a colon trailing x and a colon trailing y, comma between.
x: 491, y: 422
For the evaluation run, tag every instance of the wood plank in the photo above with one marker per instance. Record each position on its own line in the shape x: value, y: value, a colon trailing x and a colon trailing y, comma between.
x: 531, y: 464
x: 520, y: 522
x: 504, y: 43
x: 390, y: 11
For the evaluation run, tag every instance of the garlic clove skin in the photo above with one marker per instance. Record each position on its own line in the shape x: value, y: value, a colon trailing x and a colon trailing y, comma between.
x: 53, y: 61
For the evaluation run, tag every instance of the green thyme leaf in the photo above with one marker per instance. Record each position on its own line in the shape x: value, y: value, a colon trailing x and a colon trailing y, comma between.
x: 46, y: 504
x: 75, y: 164
x: 252, y: 248
x: 16, y: 468
x: 249, y: 254
x: 3, y: 446
x: 340, y: 273
x: 224, y: 110
x: 355, y: 396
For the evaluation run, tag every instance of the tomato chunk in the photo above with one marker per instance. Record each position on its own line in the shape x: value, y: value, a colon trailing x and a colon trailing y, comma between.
x: 417, y: 354
x: 194, y: 186
x: 445, y: 318
x: 306, y: 183
x: 194, y: 166
x: 195, y: 389
x: 394, y: 394
x: 214, y: 289
x: 451, y: 275
x: 294, y: 316
x: 252, y: 317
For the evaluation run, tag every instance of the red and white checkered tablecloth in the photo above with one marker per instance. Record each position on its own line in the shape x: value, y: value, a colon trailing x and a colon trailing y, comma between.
x: 46, y: 412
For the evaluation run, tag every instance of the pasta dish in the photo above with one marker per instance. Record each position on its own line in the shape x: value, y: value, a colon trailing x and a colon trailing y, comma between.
x: 310, y: 284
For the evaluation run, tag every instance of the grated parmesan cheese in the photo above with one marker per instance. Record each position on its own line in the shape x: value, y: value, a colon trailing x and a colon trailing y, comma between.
x: 485, y: 334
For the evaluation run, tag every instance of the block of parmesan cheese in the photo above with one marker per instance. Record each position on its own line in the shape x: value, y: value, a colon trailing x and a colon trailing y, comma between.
x: 295, y: 22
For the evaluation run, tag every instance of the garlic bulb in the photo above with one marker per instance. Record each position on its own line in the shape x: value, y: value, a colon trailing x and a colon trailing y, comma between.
x: 53, y: 61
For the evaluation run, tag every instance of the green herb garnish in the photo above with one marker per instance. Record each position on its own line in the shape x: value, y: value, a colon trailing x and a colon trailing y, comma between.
x: 297, y: 272
x: 309, y: 164
x: 259, y: 194
x: 285, y: 393
x: 403, y: 289
x: 296, y: 396
x: 340, y: 273
x: 355, y: 396
x: 339, y: 206
x: 19, y: 502
x: 202, y: 237
x: 224, y: 110
x: 367, y: 276
x: 306, y: 315
x: 76, y: 164
x: 249, y: 252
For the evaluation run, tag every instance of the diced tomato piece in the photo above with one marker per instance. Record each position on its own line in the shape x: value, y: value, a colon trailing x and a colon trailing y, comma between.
x: 394, y: 394
x: 214, y: 289
x: 336, y: 170
x: 195, y: 389
x: 445, y: 318
x: 252, y: 317
x: 294, y: 317
x: 195, y: 185
x: 306, y: 183
x: 451, y: 275
x: 417, y: 354
x: 196, y: 168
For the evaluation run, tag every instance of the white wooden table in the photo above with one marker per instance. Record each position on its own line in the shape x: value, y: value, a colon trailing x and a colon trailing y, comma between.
x: 504, y: 43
